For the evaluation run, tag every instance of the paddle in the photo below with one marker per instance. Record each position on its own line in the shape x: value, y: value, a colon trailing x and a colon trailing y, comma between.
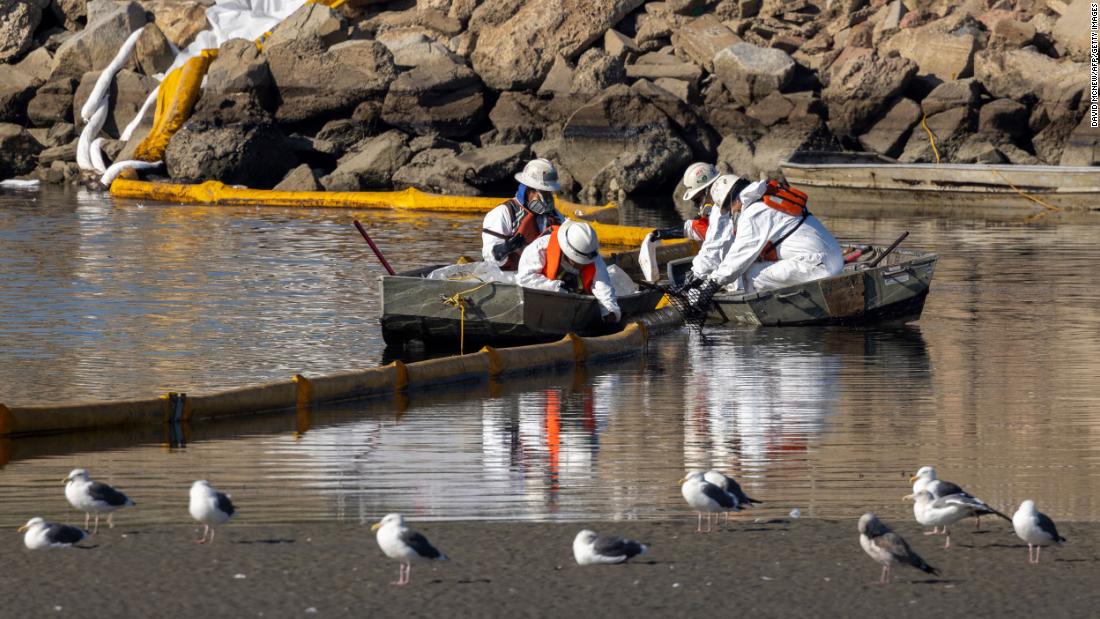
x: 891, y: 248
x: 374, y: 248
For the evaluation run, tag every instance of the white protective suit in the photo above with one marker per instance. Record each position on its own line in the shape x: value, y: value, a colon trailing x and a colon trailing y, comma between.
x: 719, y: 237
x: 500, y: 220
x: 810, y: 253
x: 533, y: 261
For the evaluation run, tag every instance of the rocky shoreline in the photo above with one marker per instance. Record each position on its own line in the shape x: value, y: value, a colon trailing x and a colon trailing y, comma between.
x: 453, y: 95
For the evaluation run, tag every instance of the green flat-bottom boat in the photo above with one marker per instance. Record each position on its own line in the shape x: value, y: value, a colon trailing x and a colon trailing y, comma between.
x: 415, y: 308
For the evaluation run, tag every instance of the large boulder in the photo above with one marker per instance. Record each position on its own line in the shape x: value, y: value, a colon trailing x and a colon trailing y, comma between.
x: 373, y: 166
x: 519, y: 52
x: 596, y: 70
x: 127, y: 94
x: 862, y: 89
x: 1083, y: 146
x: 52, y: 103
x: 784, y: 140
x: 938, y: 53
x: 657, y: 65
x: 949, y: 128
x: 491, y: 164
x: 94, y: 47
x: 72, y: 13
x: 16, y: 90
x: 889, y: 135
x: 301, y: 178
x: 751, y: 73
x: 240, y: 67
x: 948, y: 95
x: 1051, y: 140
x: 153, y: 52
x: 18, y: 151
x: 1025, y: 73
x: 522, y: 117
x: 354, y: 71
x: 435, y: 170
x: 18, y: 21
x: 231, y: 139
x: 1071, y: 32
x: 180, y: 20
x: 443, y: 97
x: 1003, y: 116
x: 693, y: 128
x: 702, y: 38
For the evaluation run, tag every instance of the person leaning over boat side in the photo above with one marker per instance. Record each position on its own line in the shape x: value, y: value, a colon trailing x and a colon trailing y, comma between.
x: 566, y: 258
x: 697, y: 178
x: 778, y: 243
x: 721, y: 228
x: 513, y: 225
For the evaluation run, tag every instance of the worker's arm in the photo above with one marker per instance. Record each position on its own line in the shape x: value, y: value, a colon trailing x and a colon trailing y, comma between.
x: 499, y: 221
x: 754, y: 228
x: 531, y: 263
x: 713, y: 248
x: 604, y: 292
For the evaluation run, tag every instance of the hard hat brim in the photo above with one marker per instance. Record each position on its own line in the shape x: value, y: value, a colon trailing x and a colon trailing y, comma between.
x: 691, y: 193
x: 535, y: 184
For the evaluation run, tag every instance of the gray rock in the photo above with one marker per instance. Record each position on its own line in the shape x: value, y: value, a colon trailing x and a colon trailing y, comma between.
x: 240, y: 67
x: 1024, y: 73
x: 686, y: 71
x: 519, y: 52
x: 432, y: 141
x: 18, y: 151
x: 492, y: 164
x: 1083, y: 146
x: 889, y: 135
x: 344, y: 134
x: 957, y: 93
x: 522, y: 117
x: 354, y: 71
x: 560, y: 78
x: 1051, y: 141
x: 782, y: 141
x: 153, y: 52
x: 94, y: 47
x: 59, y: 134
x: 619, y: 45
x: 414, y: 50
x: 313, y: 28
x: 436, y: 171
x: 596, y: 70
x: 735, y: 155
x: 16, y: 90
x: 64, y: 152
x: 18, y: 21
x: 949, y: 128
x: 692, y: 126
x: 442, y: 97
x: 38, y: 64
x: 1071, y: 32
x: 127, y: 94
x: 180, y: 20
x: 1017, y: 156
x: 52, y: 103
x: 1003, y: 116
x: 231, y: 139
x: 683, y: 90
x: 751, y: 73
x: 72, y: 13
x: 978, y: 149
x: 862, y: 89
x: 1013, y: 32
x: 702, y: 38
x: 373, y: 166
x: 944, y: 55
x: 771, y: 109
x: 301, y: 178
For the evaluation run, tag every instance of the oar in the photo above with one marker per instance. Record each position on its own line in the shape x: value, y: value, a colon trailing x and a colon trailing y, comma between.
x: 891, y: 248
x: 374, y: 248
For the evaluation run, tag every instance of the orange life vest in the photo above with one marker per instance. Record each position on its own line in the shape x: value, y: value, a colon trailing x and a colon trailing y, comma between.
x: 552, y: 270
x: 525, y: 223
x: 699, y: 226
x: 786, y: 200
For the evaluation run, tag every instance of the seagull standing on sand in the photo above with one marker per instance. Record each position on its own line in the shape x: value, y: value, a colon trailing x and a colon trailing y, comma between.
x: 93, y: 497
x: 887, y: 547
x: 1035, y: 528
x: 210, y: 507
x: 592, y: 549
x: 730, y: 485
x: 925, y: 479
x: 402, y: 543
x: 41, y: 534
x: 944, y: 511
x: 704, y: 496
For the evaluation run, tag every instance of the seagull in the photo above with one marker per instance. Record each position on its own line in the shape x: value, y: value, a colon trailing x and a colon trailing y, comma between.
x: 402, y: 543
x: 730, y: 485
x: 925, y: 479
x: 1035, y: 528
x: 592, y: 549
x: 946, y: 510
x: 887, y: 547
x: 704, y: 496
x: 210, y: 507
x: 41, y: 534
x: 93, y: 497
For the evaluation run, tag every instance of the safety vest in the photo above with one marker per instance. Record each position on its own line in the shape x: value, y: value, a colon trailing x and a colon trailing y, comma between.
x: 552, y: 269
x: 699, y: 226
x: 786, y: 200
x: 524, y: 223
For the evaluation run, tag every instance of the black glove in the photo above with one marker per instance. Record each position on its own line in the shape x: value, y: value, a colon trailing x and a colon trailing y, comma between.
x: 501, y: 250
x: 667, y: 233
x: 699, y: 297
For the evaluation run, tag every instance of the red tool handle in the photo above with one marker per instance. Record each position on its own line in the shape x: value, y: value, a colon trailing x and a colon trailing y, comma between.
x: 374, y: 248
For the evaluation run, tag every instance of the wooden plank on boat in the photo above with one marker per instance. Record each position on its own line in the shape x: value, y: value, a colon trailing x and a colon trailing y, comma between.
x: 845, y: 295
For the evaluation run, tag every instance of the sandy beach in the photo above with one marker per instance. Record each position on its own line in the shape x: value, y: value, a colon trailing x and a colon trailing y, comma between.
x: 786, y: 567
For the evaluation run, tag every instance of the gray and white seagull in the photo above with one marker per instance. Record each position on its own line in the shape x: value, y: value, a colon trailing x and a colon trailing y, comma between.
x: 209, y: 507
x: 888, y: 548
x: 402, y: 543
x: 589, y: 548
x: 40, y: 534
x: 925, y: 479
x: 704, y: 496
x: 1035, y: 528
x: 93, y: 497
x: 730, y: 485
x: 944, y: 511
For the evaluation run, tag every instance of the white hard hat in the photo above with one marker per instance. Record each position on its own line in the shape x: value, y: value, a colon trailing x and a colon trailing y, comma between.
x: 722, y: 187
x: 539, y: 174
x: 578, y: 241
x: 698, y: 177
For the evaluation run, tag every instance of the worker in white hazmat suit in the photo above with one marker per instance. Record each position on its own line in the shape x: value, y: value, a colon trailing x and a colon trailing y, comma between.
x: 513, y: 225
x: 697, y: 179
x: 721, y: 228
x: 567, y: 259
x: 778, y: 243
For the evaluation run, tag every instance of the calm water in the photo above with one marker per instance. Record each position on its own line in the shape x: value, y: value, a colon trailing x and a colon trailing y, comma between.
x: 996, y: 385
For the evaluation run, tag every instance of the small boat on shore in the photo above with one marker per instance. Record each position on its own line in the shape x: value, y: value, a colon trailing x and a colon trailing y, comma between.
x: 415, y: 307
x: 839, y: 178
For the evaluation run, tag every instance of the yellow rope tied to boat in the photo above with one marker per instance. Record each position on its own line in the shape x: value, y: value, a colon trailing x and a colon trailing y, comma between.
x: 1041, y: 203
x: 457, y: 300
x: 931, y: 138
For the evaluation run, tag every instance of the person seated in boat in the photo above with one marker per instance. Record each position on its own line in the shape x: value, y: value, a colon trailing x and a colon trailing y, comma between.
x: 778, y: 243
x: 697, y: 179
x: 513, y: 225
x: 720, y: 231
x: 567, y: 259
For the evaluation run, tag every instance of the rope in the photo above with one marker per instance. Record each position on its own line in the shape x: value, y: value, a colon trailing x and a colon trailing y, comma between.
x: 456, y: 300
x: 1041, y: 203
x: 931, y: 138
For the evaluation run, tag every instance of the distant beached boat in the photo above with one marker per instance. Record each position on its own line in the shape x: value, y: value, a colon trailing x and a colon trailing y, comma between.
x: 839, y: 178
